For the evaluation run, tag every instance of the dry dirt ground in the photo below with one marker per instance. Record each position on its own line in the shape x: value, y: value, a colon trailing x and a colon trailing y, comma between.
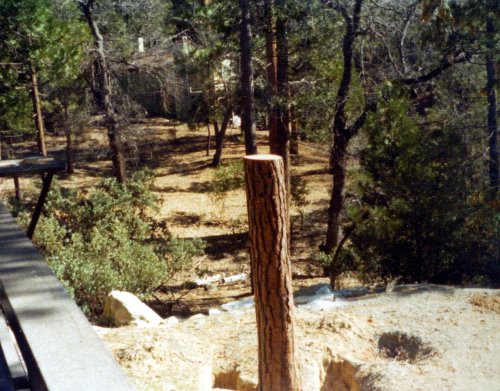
x: 420, y: 338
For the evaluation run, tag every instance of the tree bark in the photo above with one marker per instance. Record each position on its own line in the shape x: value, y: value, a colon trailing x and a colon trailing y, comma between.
x: 17, y: 189
x: 70, y: 169
x: 271, y: 72
x: 492, y: 104
x: 209, y: 139
x: 248, y: 126
x: 294, y: 133
x: 282, y: 146
x: 219, y: 136
x: 268, y: 217
x: 341, y: 133
x: 37, y: 111
x: 338, y: 169
x: 104, y: 90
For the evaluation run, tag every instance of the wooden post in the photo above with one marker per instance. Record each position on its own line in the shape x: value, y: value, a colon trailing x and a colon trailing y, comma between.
x: 47, y: 180
x: 271, y: 271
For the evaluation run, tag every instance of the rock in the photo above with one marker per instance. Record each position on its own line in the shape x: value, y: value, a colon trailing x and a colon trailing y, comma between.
x: 214, y: 311
x: 170, y: 321
x: 198, y: 317
x: 124, y: 308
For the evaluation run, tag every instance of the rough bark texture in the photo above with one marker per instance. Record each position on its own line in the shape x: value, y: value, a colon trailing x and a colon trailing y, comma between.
x: 268, y: 217
x: 219, y: 136
x: 248, y: 126
x: 103, y: 87
x: 37, y: 111
x: 492, y: 105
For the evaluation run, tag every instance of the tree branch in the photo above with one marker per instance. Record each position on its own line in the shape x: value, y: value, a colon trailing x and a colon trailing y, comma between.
x: 409, y: 15
x: 340, y: 9
x: 360, y: 121
x: 445, y: 64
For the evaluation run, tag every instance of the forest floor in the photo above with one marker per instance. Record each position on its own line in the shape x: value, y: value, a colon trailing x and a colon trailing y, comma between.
x: 421, y: 337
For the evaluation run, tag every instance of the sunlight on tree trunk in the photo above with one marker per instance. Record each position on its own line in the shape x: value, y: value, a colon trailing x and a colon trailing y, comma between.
x: 268, y: 217
x: 37, y: 112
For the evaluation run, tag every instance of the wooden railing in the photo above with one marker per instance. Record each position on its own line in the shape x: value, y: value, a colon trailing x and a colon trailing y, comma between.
x: 46, y: 341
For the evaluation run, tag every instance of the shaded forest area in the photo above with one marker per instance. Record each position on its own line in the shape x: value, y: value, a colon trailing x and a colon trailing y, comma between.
x: 396, y: 99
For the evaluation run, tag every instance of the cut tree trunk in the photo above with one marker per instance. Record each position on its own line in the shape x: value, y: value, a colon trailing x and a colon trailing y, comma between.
x: 268, y: 217
x: 248, y: 125
x: 37, y: 112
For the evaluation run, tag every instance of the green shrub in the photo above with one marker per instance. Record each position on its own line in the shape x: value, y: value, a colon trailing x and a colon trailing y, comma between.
x: 299, y: 192
x: 227, y: 177
x: 421, y: 213
x: 107, y: 240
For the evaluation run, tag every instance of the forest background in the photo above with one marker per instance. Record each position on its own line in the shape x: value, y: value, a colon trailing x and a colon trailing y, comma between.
x: 400, y: 95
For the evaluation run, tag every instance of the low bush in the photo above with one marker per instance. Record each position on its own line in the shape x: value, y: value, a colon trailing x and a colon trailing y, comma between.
x: 227, y: 177
x: 106, y: 240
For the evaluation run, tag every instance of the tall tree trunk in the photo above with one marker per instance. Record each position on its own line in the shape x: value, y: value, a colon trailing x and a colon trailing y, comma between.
x: 248, y: 126
x: 17, y: 189
x: 220, y: 134
x: 37, y: 111
x: 69, y: 133
x: 271, y: 72
x: 268, y: 216
x: 341, y: 134
x: 104, y: 90
x: 294, y: 132
x: 338, y: 170
x: 209, y: 139
x: 282, y: 146
x: 492, y: 104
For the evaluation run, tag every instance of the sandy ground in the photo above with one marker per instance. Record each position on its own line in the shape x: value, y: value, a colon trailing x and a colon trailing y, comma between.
x: 182, y: 183
x: 422, y: 337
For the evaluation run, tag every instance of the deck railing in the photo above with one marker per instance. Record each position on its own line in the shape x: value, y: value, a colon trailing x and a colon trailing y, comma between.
x: 46, y: 341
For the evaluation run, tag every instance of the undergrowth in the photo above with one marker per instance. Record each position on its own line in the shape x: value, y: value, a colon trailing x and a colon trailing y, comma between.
x: 106, y: 239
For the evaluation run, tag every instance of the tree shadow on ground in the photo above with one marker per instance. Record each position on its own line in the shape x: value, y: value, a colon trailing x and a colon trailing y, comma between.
x: 221, y: 246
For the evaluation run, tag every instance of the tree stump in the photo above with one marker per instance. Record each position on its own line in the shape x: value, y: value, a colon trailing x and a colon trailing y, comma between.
x: 271, y: 272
